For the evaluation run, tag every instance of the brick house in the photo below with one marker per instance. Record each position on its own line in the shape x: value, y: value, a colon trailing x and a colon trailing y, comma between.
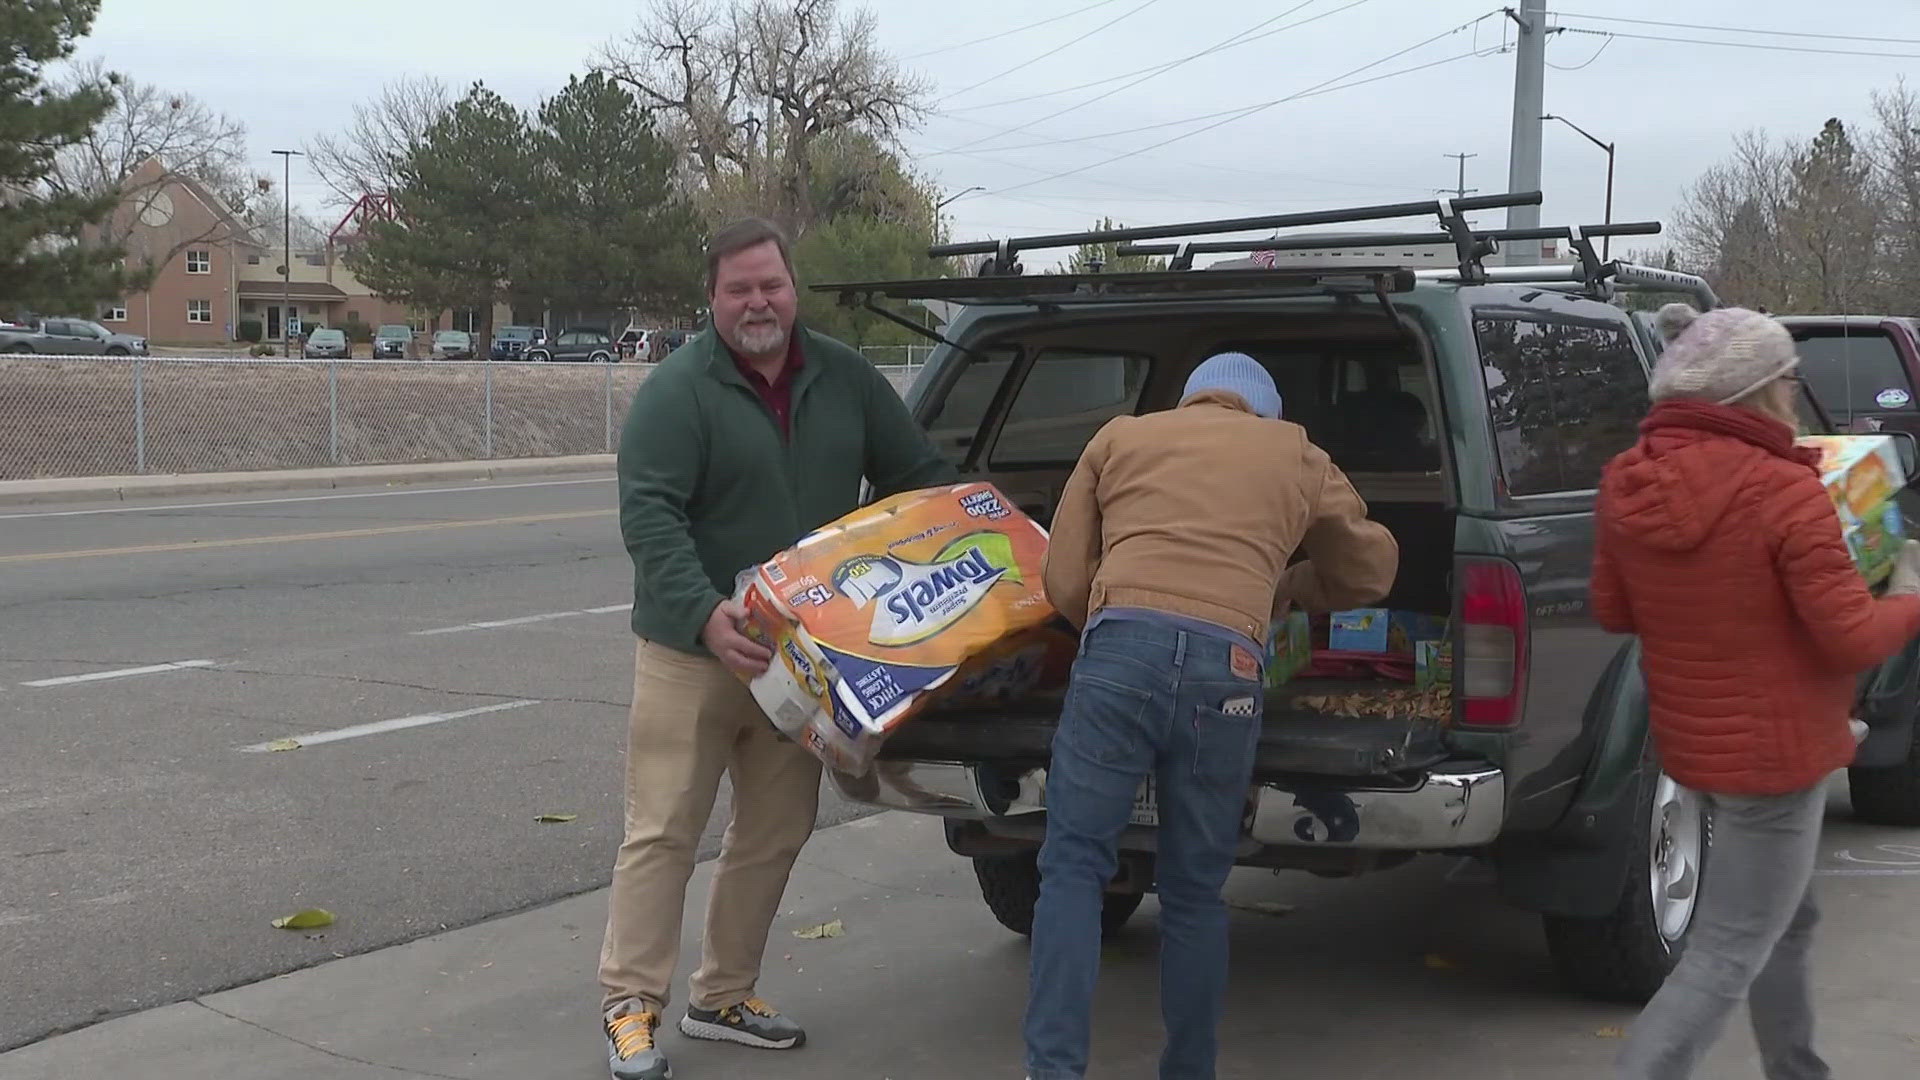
x: 214, y: 272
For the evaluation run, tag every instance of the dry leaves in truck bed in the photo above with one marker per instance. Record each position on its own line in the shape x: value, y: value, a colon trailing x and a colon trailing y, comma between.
x: 1397, y: 703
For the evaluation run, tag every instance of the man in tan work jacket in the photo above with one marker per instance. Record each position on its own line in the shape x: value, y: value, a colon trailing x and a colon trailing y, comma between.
x: 1171, y: 548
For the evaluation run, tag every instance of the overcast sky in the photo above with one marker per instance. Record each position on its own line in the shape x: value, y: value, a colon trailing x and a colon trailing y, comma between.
x: 290, y: 71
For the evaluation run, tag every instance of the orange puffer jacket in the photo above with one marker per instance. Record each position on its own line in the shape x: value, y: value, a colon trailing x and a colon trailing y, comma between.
x: 1719, y: 547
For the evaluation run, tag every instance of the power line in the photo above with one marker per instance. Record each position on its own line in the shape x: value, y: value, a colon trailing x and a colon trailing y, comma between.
x: 1009, y: 33
x: 1741, y: 44
x: 1327, y: 86
x: 1058, y: 48
x: 1589, y: 60
x: 1141, y: 71
x: 1741, y: 29
x: 1163, y: 69
x: 1269, y: 174
x: 1103, y: 182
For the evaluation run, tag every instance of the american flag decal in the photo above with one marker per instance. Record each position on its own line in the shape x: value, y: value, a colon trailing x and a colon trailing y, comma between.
x: 1265, y: 258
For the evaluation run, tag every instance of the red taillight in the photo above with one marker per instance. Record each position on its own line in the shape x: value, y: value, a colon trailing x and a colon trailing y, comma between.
x: 1490, y: 658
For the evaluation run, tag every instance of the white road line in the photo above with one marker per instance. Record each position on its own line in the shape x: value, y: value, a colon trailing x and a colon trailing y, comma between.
x: 522, y: 620
x: 96, y: 676
x: 479, y: 485
x: 378, y: 727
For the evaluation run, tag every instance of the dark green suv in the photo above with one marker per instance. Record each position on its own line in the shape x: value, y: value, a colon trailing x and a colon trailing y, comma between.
x: 1473, y: 408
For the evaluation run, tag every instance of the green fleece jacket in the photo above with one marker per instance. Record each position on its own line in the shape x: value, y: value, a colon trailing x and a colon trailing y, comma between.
x: 709, y: 486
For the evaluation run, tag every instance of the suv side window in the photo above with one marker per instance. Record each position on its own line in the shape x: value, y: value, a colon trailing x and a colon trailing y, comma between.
x: 1855, y: 372
x: 1068, y: 396
x: 1564, y: 398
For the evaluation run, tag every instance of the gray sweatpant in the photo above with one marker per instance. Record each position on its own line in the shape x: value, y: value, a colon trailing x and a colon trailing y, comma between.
x: 1750, y: 939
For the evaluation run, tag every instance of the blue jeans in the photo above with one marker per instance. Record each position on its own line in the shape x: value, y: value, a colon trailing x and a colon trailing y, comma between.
x: 1144, y: 701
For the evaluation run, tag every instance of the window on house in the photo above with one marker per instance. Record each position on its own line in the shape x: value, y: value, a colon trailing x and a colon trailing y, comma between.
x: 467, y: 319
x: 199, y: 311
x: 417, y: 321
x: 199, y: 261
x: 353, y: 315
x: 1565, y: 398
x: 117, y: 313
x: 253, y: 260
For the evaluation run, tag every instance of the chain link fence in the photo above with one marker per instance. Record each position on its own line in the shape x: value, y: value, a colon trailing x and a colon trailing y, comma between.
x: 93, y: 416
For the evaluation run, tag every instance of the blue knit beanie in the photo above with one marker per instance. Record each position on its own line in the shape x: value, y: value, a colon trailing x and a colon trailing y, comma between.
x: 1237, y: 373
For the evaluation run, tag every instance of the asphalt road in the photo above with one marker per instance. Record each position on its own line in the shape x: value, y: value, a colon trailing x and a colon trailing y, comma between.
x: 144, y: 850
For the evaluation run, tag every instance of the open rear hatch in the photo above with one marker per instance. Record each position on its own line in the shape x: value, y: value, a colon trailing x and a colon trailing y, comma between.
x: 1014, y: 399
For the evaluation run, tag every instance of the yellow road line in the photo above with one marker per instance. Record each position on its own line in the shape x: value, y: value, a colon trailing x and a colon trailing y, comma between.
x: 294, y: 538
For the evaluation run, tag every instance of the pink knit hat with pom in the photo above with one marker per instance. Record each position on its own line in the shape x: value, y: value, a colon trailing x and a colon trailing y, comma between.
x: 1720, y: 356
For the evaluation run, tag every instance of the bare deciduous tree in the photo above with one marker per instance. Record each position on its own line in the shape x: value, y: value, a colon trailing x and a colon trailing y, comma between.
x: 182, y: 136
x: 750, y: 92
x: 1895, y: 153
x: 365, y: 158
x: 1791, y: 226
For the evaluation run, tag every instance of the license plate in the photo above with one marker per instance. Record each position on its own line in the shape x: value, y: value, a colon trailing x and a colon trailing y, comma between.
x: 1146, y: 806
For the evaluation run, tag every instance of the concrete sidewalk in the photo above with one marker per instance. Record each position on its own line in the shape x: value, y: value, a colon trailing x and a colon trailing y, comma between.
x: 119, y: 488
x: 1407, y: 974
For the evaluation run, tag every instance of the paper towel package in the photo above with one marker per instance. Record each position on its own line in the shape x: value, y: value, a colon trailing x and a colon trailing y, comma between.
x: 1862, y: 474
x: 872, y: 615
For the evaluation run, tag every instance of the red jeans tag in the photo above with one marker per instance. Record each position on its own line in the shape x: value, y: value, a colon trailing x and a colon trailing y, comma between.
x: 1244, y: 665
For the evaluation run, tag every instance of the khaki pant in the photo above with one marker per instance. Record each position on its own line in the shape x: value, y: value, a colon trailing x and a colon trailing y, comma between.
x: 692, y: 720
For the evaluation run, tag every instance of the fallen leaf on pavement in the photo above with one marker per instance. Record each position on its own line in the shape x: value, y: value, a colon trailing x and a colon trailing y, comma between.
x: 1611, y: 1033
x: 825, y: 930
x: 556, y: 819
x: 310, y: 919
x: 1263, y: 907
x: 1439, y: 963
x: 278, y: 745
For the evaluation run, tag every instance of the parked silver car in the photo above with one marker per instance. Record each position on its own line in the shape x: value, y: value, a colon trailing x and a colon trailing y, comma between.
x: 453, y: 345
x: 327, y: 344
x: 392, y: 341
x: 68, y: 337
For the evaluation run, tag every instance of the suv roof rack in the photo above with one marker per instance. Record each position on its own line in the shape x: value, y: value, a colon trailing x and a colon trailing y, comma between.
x: 1004, y: 253
x: 1616, y: 276
x: 1486, y: 242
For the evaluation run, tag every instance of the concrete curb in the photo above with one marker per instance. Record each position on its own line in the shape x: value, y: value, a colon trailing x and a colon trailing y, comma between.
x: 119, y: 488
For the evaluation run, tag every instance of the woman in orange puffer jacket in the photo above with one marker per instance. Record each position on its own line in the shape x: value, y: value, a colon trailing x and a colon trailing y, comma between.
x: 1719, y: 547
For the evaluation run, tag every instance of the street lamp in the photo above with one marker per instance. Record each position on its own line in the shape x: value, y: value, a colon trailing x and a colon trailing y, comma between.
x: 1606, y: 242
x: 286, y: 255
x: 943, y: 202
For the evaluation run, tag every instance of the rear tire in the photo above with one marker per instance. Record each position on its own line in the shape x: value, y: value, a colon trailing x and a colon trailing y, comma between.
x: 1010, y: 884
x: 1889, y: 796
x: 1627, y: 954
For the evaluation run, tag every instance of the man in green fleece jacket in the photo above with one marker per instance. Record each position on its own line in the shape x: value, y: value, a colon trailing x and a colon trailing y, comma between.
x: 752, y: 434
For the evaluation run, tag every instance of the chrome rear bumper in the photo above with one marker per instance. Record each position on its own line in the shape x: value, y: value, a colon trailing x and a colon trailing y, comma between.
x: 1453, y: 807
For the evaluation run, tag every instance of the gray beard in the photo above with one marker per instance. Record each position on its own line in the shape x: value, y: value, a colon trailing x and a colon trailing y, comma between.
x: 761, y: 340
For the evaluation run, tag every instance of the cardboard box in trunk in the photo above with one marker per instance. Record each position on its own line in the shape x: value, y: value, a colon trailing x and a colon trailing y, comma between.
x: 872, y: 616
x: 1862, y: 474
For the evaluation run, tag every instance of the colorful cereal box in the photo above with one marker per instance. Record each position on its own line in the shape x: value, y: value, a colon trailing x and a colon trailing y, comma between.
x: 1862, y: 473
x: 1289, y: 647
x: 1432, y: 664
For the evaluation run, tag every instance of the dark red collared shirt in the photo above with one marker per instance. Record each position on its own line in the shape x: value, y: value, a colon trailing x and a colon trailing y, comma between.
x: 778, y: 394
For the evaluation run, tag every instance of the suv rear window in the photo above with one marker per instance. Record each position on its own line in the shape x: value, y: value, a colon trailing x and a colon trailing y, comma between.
x: 1859, y: 372
x: 1564, y: 397
x: 1068, y: 396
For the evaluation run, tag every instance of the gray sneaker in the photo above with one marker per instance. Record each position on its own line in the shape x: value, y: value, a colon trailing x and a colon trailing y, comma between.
x: 751, y: 1023
x: 631, y: 1054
